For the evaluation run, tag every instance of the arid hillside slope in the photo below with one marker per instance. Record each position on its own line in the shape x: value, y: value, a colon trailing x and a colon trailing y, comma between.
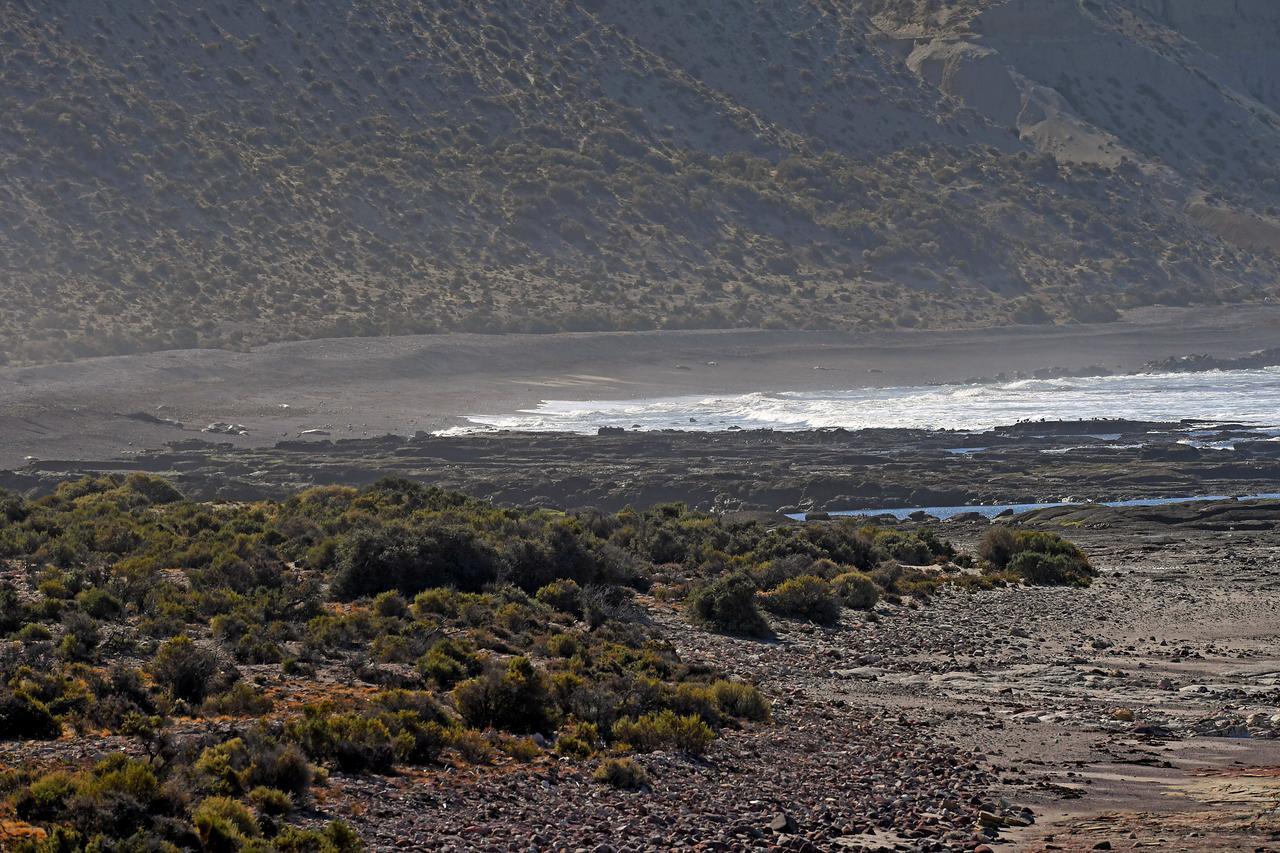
x: 230, y: 173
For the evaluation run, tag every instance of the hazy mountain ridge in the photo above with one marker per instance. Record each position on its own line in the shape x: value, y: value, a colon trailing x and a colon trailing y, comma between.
x: 255, y: 171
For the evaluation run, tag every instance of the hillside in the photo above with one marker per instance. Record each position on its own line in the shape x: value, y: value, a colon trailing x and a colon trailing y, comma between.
x: 177, y: 176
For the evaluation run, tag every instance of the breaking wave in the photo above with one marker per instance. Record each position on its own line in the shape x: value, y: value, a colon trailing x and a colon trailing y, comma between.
x: 1250, y: 396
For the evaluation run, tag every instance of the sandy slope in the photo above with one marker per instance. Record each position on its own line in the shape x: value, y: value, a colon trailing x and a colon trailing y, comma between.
x: 363, y: 386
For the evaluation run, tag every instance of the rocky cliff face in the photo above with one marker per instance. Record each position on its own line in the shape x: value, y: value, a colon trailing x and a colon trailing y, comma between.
x: 1185, y: 90
x: 235, y: 173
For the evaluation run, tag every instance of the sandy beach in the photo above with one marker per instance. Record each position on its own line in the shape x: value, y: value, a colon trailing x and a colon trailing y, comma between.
x: 361, y: 387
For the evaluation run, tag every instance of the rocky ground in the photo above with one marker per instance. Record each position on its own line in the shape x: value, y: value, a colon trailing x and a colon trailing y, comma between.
x: 733, y: 470
x: 1138, y: 713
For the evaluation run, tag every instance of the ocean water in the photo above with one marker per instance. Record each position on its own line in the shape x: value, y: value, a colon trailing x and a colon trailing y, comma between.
x: 1250, y: 396
x: 992, y: 510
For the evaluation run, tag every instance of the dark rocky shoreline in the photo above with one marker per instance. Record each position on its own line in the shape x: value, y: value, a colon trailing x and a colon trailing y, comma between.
x: 735, y: 470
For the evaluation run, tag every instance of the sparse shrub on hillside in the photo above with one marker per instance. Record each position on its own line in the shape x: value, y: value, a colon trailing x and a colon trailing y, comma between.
x: 270, y: 801
x: 998, y: 545
x: 563, y: 595
x: 1041, y: 569
x: 623, y: 773
x: 374, y: 561
x: 80, y: 638
x: 242, y: 700
x: 514, y: 698
x: 782, y: 569
x: 13, y: 613
x: 472, y: 745
x: 448, y: 662
x: 578, y: 740
x: 352, y: 742
x: 728, y: 604
x: 186, y: 670
x: 256, y: 759
x: 224, y: 824
x: 856, y: 590
x: 1038, y: 557
x: 562, y: 645
x: 664, y: 730
x: 743, y: 701
x: 887, y: 575
x: 391, y: 605
x: 99, y: 603
x: 601, y: 604
x: 805, y: 597
x: 22, y: 717
x: 413, y: 739
x: 119, y: 797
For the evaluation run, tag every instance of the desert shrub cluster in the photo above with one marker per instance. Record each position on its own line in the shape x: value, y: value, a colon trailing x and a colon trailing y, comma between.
x: 461, y: 631
x: 1036, y: 557
x: 814, y: 572
x: 448, y: 630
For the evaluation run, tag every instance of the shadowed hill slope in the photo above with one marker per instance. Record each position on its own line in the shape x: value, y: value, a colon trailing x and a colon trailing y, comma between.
x: 175, y: 176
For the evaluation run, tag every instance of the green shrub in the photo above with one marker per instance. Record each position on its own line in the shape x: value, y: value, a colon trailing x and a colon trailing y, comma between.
x: 1041, y: 569
x: 45, y: 798
x: 119, y: 797
x: 908, y: 548
x: 270, y: 801
x: 887, y: 575
x: 622, y: 773
x: 418, y: 701
x: 520, y: 748
x: 856, y: 590
x: 664, y: 730
x: 515, y: 699
x: 578, y: 740
x: 80, y: 637
x: 391, y: 605
x: 472, y: 745
x: 1038, y: 557
x: 370, y: 561
x: 998, y: 545
x: 336, y: 837
x: 255, y: 760
x: 448, y: 662
x: 242, y: 700
x: 698, y: 699
x: 224, y: 824
x: 187, y: 671
x: 23, y: 717
x: 33, y: 632
x: 414, y: 740
x: 779, y: 570
x: 608, y: 603
x: 728, y: 604
x: 562, y: 645
x: 805, y: 597
x: 740, y: 700
x: 353, y: 743
x: 13, y: 612
x: 99, y: 603
x: 154, y: 490
x: 563, y: 595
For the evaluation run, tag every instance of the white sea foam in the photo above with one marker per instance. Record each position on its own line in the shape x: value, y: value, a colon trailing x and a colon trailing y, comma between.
x: 1251, y: 396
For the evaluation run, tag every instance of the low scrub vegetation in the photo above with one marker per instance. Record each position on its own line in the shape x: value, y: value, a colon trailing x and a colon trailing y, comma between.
x: 1036, y: 557
x: 622, y: 773
x: 447, y: 630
